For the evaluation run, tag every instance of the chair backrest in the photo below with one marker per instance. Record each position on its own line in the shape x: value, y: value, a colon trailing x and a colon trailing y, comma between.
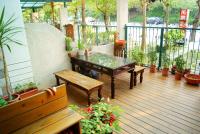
x: 26, y: 111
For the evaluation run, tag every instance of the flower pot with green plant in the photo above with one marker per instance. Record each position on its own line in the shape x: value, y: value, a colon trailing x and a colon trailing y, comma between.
x: 26, y: 90
x: 3, y: 102
x: 138, y: 56
x: 100, y: 118
x: 68, y: 47
x: 180, y: 63
x: 165, y: 64
x: 152, y: 55
x: 81, y: 47
x: 7, y: 34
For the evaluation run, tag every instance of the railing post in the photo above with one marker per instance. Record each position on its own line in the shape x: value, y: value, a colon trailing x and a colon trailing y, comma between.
x: 78, y: 32
x: 97, y: 40
x: 161, y: 48
x: 126, y: 38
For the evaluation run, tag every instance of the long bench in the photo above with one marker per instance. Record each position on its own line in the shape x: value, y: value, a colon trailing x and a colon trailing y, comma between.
x: 80, y: 81
x: 43, y: 113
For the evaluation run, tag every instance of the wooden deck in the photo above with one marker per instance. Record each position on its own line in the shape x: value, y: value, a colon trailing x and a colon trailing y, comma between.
x: 158, y: 105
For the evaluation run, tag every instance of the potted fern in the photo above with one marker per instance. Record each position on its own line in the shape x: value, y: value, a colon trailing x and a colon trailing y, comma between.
x: 152, y: 59
x: 180, y: 63
x: 81, y: 47
x: 138, y: 56
x: 165, y: 64
x: 7, y: 33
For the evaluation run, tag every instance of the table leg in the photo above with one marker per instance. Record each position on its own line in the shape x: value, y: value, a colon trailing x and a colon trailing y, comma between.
x: 135, y: 79
x: 141, y: 76
x: 73, y: 67
x: 57, y: 81
x: 99, y: 93
x: 112, y: 87
x: 131, y: 79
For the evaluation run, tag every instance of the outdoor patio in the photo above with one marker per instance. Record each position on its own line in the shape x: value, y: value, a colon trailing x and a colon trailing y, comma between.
x: 158, y: 105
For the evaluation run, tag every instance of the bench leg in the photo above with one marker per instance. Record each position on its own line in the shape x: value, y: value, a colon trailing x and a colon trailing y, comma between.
x: 89, y: 97
x: 141, y: 76
x: 112, y: 87
x: 99, y: 93
x: 57, y: 81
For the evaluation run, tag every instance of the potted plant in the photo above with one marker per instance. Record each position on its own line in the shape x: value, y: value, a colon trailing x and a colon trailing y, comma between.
x: 81, y: 47
x: 138, y: 56
x: 165, y: 64
x: 26, y: 90
x: 180, y: 63
x: 100, y: 118
x: 69, y: 48
x: 7, y: 34
x: 152, y: 55
x: 3, y: 102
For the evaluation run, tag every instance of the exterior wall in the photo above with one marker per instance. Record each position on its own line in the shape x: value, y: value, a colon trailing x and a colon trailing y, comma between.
x: 18, y: 61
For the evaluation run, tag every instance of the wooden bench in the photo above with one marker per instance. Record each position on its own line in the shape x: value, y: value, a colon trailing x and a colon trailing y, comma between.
x: 80, y: 81
x: 42, y: 113
x: 138, y: 70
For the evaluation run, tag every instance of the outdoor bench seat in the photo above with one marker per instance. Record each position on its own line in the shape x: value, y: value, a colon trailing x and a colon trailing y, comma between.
x: 80, y: 81
x: 138, y: 70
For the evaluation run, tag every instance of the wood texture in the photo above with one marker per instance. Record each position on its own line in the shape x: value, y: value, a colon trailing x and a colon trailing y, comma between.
x: 156, y: 106
x: 26, y: 111
x: 78, y: 79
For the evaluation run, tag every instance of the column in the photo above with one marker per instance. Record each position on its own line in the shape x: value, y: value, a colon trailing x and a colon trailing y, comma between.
x: 122, y: 16
x: 63, y: 18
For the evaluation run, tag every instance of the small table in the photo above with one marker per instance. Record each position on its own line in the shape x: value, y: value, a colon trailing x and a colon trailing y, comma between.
x: 108, y: 64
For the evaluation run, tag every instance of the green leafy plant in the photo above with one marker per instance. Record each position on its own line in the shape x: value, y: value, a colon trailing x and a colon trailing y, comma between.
x: 3, y: 102
x: 180, y: 63
x: 20, y: 88
x: 68, y: 42
x: 81, y: 45
x: 165, y: 61
x: 7, y: 34
x: 173, y: 36
x: 100, y: 118
x: 138, y: 55
x: 152, y: 55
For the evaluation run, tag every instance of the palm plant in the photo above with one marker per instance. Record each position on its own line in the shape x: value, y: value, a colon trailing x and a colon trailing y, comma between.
x: 7, y: 33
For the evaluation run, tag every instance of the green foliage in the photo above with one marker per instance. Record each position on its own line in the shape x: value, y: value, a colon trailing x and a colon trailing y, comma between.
x: 68, y: 43
x: 3, y: 102
x: 180, y: 63
x: 81, y: 45
x: 100, y: 118
x: 152, y: 55
x: 165, y: 61
x: 174, y: 35
x: 138, y: 55
x: 23, y: 87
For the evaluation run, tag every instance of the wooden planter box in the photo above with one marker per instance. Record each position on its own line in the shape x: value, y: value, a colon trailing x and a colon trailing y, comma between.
x: 28, y: 93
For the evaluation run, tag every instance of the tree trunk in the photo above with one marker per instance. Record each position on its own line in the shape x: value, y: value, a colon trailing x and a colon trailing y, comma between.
x: 83, y: 21
x: 144, y: 14
x: 6, y: 75
x: 166, y: 20
x: 52, y: 12
x: 106, y: 21
x: 195, y: 23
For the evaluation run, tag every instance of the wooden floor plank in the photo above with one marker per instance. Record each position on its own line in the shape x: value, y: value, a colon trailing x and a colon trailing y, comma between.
x: 158, y: 105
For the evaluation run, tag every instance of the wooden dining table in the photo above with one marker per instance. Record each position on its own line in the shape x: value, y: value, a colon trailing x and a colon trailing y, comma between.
x: 108, y: 64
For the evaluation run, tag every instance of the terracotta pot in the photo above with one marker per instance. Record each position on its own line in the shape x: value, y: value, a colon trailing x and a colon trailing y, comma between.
x: 28, y: 93
x: 165, y: 71
x: 178, y: 75
x: 186, y: 71
x: 152, y: 68
x: 173, y: 70
x: 72, y: 54
x: 16, y: 97
x: 193, y: 79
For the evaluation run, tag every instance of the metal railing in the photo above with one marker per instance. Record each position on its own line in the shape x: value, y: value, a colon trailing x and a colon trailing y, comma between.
x: 174, y: 42
x: 97, y: 34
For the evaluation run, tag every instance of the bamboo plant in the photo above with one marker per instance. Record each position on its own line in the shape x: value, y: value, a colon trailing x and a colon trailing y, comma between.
x: 7, y: 34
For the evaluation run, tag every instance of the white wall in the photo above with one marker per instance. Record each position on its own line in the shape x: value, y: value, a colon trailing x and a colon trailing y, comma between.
x: 18, y: 61
x: 47, y: 50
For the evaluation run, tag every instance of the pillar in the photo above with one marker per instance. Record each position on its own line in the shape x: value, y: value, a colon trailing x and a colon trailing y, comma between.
x: 122, y: 16
x: 63, y: 18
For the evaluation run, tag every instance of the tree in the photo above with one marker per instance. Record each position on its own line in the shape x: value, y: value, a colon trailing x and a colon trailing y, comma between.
x: 83, y: 20
x: 106, y: 7
x: 7, y: 33
x: 74, y: 8
x: 195, y: 22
